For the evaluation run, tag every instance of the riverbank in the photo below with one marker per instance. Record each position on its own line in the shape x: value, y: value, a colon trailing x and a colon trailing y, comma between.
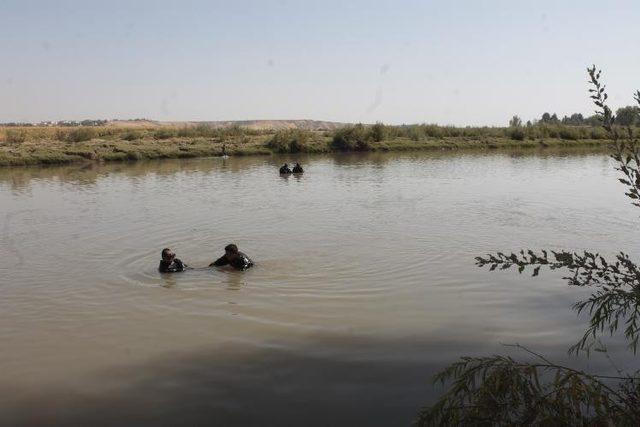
x: 38, y: 147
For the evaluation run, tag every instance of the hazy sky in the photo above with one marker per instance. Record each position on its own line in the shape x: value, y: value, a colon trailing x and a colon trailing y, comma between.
x: 450, y: 62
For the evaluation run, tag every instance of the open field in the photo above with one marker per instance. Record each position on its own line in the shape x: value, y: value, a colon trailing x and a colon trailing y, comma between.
x: 57, y: 145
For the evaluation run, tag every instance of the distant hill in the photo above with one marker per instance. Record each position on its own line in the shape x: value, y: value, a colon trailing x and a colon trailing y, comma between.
x: 250, y: 124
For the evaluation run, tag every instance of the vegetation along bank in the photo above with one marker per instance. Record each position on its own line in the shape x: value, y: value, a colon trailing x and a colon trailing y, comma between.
x: 32, y: 145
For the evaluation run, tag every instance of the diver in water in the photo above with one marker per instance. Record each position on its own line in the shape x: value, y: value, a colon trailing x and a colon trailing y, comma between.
x: 284, y: 170
x: 298, y: 169
x: 233, y: 257
x: 169, y: 262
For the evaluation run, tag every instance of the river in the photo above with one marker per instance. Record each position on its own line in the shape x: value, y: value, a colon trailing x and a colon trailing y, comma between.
x: 364, y: 284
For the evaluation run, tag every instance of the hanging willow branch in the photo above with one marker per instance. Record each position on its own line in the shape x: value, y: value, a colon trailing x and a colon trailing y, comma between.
x: 499, y: 390
x: 616, y: 301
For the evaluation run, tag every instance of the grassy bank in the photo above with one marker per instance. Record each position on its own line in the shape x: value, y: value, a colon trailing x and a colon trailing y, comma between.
x: 51, y: 145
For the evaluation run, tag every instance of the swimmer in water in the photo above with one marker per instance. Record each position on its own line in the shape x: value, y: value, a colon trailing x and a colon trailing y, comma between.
x: 233, y: 257
x: 169, y: 262
x: 284, y: 170
x: 298, y: 169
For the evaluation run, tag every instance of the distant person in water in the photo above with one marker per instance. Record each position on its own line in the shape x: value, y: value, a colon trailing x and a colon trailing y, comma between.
x: 284, y: 170
x: 298, y: 169
x: 224, y: 150
x: 169, y: 263
x: 233, y: 257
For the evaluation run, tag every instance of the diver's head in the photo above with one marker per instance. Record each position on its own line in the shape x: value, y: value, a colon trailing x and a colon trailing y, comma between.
x: 231, y: 250
x: 167, y: 254
x: 286, y: 165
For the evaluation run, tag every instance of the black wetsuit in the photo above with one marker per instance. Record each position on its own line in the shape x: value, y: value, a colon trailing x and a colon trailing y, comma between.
x: 285, y: 170
x: 241, y: 262
x: 298, y: 169
x: 173, y: 266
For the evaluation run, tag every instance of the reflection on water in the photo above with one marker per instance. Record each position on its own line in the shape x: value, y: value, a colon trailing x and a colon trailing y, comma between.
x: 364, y: 282
x: 19, y: 178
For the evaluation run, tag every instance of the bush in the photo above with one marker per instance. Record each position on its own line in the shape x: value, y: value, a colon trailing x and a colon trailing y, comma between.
x: 569, y: 133
x: 598, y: 133
x: 352, y: 138
x: 452, y: 131
x: 290, y: 141
x: 553, y: 132
x: 378, y: 132
x: 517, y: 134
x: 416, y: 133
x: 432, y: 131
x: 81, y: 134
x: 132, y: 135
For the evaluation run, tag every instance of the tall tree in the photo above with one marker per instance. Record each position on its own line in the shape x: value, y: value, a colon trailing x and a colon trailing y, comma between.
x: 628, y: 116
x: 515, y: 122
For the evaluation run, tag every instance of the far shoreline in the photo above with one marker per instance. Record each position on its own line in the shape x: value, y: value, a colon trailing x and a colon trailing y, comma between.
x: 42, y: 146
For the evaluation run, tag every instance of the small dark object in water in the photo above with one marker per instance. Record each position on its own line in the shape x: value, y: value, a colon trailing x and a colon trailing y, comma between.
x: 233, y: 257
x: 169, y: 263
x: 298, y: 169
x: 284, y: 170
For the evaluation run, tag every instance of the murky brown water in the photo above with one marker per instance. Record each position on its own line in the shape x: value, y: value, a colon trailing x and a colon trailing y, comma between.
x: 364, y: 286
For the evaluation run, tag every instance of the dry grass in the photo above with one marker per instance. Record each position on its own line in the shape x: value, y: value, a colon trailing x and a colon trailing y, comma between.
x: 55, y: 145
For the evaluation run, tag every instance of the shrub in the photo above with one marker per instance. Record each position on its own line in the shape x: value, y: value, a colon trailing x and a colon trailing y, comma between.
x: 132, y: 135
x: 290, y: 141
x: 433, y: 131
x: 598, y: 133
x: 517, y: 134
x: 452, y: 131
x: 352, y: 138
x: 378, y: 132
x: 81, y: 134
x: 569, y: 133
x: 414, y: 133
